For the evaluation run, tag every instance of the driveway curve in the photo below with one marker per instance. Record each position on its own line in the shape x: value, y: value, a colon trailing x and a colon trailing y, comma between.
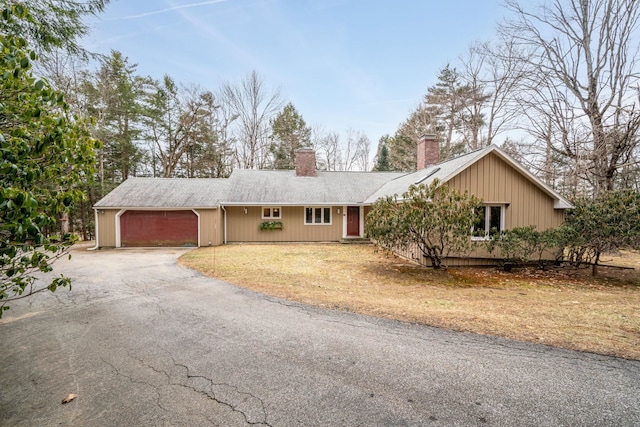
x: 143, y: 341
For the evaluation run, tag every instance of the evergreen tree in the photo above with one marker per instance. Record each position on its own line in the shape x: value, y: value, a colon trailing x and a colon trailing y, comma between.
x: 457, y: 107
x: 403, y: 145
x: 55, y: 24
x: 288, y: 133
x: 382, y: 158
x: 113, y: 99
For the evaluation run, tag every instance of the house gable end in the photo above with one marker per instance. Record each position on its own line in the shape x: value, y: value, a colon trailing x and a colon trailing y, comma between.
x: 559, y: 202
x: 498, y: 181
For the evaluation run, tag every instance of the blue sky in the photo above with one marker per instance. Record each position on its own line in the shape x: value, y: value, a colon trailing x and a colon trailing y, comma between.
x: 355, y: 64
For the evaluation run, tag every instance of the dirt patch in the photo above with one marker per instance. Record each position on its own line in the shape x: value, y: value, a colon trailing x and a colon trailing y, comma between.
x: 559, y: 307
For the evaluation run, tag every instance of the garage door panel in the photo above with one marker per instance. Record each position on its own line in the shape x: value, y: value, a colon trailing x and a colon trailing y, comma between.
x: 158, y: 228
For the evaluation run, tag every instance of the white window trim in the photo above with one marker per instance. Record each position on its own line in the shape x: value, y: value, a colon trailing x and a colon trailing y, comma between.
x: 304, y: 217
x: 487, y: 221
x: 271, y: 211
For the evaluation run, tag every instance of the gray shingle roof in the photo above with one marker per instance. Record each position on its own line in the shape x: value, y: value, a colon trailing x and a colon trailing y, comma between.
x: 446, y: 170
x: 279, y: 187
x: 165, y: 193
x: 283, y: 187
x: 442, y: 171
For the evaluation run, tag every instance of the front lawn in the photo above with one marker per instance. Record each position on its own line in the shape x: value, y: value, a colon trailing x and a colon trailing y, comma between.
x: 559, y: 308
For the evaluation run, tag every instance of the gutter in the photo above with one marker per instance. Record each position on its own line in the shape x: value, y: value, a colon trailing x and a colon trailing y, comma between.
x: 97, y: 246
x: 302, y: 203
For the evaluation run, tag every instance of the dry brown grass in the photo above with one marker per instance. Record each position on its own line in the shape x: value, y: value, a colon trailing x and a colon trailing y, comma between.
x: 574, y: 311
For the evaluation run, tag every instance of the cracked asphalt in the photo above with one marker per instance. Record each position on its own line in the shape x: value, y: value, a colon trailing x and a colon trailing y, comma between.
x: 143, y: 341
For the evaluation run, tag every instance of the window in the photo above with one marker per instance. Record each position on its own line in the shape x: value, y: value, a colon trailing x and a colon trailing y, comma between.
x: 271, y: 213
x: 317, y: 216
x: 490, y: 221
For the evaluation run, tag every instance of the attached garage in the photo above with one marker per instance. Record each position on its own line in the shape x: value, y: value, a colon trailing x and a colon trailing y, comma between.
x: 161, y: 212
x: 158, y: 228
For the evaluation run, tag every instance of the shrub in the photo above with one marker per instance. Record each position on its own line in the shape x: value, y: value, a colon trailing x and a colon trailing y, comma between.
x: 522, y: 245
x: 436, y: 218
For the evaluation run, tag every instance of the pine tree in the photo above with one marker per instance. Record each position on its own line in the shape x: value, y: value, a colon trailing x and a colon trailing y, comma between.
x: 288, y: 133
x: 382, y: 158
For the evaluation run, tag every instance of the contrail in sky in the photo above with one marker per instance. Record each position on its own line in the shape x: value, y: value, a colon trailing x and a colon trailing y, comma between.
x: 169, y: 9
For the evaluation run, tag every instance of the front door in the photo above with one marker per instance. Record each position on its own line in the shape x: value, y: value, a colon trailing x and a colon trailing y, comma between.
x: 353, y: 221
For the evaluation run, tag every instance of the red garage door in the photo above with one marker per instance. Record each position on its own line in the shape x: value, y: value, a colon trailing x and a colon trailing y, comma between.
x: 158, y: 228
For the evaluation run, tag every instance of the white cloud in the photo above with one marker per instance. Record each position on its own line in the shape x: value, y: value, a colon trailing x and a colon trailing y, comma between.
x: 169, y: 9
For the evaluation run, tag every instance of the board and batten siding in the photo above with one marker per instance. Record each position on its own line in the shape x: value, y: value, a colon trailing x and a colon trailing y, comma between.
x: 107, y: 227
x: 211, y: 227
x: 243, y: 227
x: 496, y: 182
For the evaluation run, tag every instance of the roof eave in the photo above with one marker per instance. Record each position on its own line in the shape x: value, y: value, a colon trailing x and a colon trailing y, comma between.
x: 562, y: 204
x: 149, y: 208
x: 334, y: 203
x: 559, y: 202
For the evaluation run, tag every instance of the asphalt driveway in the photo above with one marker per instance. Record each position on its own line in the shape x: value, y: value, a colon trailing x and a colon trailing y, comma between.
x: 142, y: 341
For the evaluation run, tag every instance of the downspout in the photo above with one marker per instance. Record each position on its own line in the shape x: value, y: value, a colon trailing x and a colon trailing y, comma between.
x: 97, y: 246
x: 224, y: 232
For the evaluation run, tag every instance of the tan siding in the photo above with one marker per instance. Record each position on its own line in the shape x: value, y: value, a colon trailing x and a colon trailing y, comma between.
x: 210, y: 227
x: 211, y: 232
x: 478, y: 257
x: 243, y: 227
x: 528, y: 205
x: 495, y: 181
x: 220, y: 227
x: 107, y: 227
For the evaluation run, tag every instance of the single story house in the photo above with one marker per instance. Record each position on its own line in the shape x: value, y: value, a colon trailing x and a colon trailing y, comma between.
x: 309, y: 205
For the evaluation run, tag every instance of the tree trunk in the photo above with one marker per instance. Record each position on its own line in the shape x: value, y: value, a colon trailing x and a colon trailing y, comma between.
x: 594, y: 267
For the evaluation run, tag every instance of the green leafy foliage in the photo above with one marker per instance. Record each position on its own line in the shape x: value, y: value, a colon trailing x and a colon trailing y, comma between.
x: 609, y: 222
x: 271, y: 225
x: 521, y: 245
x: 113, y: 99
x: 52, y: 24
x: 382, y: 162
x: 44, y: 158
x: 435, y: 218
x: 288, y: 133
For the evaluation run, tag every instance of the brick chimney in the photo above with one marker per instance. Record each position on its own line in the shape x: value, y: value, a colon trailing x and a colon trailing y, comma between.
x: 305, y: 162
x: 428, y: 151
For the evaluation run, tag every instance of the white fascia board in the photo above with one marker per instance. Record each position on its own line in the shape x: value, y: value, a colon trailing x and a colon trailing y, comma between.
x: 559, y: 202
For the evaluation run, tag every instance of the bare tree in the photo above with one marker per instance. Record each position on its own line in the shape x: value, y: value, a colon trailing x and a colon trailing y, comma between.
x: 326, y: 143
x: 492, y: 72
x: 348, y: 152
x: 364, y: 156
x: 341, y: 154
x: 472, y: 110
x: 64, y: 71
x: 254, y: 106
x: 581, y: 90
x: 362, y: 153
x: 226, y: 141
